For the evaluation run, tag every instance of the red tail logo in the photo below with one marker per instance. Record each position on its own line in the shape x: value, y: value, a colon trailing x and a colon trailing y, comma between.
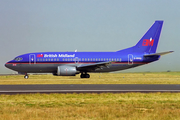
x: 148, y: 42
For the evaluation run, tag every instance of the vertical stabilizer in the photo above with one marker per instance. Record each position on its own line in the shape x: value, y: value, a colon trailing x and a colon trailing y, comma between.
x: 149, y: 42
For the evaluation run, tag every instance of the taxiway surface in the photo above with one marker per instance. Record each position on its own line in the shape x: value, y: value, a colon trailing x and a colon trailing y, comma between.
x: 88, y: 88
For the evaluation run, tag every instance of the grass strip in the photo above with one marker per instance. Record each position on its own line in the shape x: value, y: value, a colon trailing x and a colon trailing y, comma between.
x: 132, y: 106
x: 97, y: 78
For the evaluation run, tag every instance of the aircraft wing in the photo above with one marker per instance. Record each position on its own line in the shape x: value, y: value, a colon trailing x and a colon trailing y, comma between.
x: 162, y: 53
x: 93, y: 67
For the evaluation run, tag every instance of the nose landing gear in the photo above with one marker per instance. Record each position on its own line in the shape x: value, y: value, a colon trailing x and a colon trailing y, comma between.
x: 26, y: 76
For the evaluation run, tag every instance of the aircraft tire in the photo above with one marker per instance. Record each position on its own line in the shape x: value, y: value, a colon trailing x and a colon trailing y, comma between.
x: 26, y: 76
x: 85, y: 76
x: 82, y: 75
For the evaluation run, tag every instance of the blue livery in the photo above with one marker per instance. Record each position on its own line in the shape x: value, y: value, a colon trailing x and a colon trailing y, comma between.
x: 72, y: 63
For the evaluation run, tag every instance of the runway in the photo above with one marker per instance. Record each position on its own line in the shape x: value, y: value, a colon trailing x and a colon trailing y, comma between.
x: 88, y: 88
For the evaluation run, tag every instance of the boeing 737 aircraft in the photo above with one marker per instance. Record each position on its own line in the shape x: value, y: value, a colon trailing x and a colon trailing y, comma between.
x: 72, y: 63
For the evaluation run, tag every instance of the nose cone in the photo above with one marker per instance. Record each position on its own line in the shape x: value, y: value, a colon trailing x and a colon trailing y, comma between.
x: 7, y: 65
x: 10, y: 65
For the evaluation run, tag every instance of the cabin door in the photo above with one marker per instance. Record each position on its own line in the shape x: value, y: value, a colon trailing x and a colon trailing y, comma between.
x: 32, y: 59
x: 130, y: 59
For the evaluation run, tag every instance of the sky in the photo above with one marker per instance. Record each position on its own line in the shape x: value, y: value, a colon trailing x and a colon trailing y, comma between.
x: 87, y: 25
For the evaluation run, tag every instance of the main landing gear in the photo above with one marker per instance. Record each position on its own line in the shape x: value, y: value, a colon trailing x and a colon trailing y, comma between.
x: 26, y: 76
x: 85, y: 75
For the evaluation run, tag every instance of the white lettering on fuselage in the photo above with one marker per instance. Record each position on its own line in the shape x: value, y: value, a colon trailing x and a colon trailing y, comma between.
x: 50, y: 55
x: 59, y: 55
x: 66, y: 55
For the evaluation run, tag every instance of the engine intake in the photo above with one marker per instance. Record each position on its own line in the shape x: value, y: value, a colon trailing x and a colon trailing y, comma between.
x: 66, y: 71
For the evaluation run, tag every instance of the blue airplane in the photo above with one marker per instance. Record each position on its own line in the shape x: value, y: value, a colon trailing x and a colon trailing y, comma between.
x: 72, y: 63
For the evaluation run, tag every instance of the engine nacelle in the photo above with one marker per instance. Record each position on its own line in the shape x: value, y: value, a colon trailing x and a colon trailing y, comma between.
x: 66, y: 71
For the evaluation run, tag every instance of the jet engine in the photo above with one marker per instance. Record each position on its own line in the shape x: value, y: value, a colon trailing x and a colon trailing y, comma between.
x: 66, y: 71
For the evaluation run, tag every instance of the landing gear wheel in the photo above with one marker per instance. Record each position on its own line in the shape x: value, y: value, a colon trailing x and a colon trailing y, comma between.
x: 26, y: 76
x: 82, y: 76
x: 85, y: 76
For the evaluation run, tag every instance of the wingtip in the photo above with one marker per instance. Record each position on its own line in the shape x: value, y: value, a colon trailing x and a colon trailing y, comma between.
x: 171, y: 51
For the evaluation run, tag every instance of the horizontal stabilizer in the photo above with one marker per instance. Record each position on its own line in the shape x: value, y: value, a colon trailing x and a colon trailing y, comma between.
x: 162, y: 53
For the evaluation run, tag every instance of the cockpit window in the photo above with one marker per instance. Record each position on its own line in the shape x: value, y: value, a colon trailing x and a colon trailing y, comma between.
x: 18, y: 59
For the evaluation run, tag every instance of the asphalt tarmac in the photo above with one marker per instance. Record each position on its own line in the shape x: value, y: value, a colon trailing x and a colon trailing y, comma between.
x: 88, y: 88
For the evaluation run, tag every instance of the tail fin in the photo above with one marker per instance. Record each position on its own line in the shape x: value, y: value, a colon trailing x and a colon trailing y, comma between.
x: 148, y: 43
